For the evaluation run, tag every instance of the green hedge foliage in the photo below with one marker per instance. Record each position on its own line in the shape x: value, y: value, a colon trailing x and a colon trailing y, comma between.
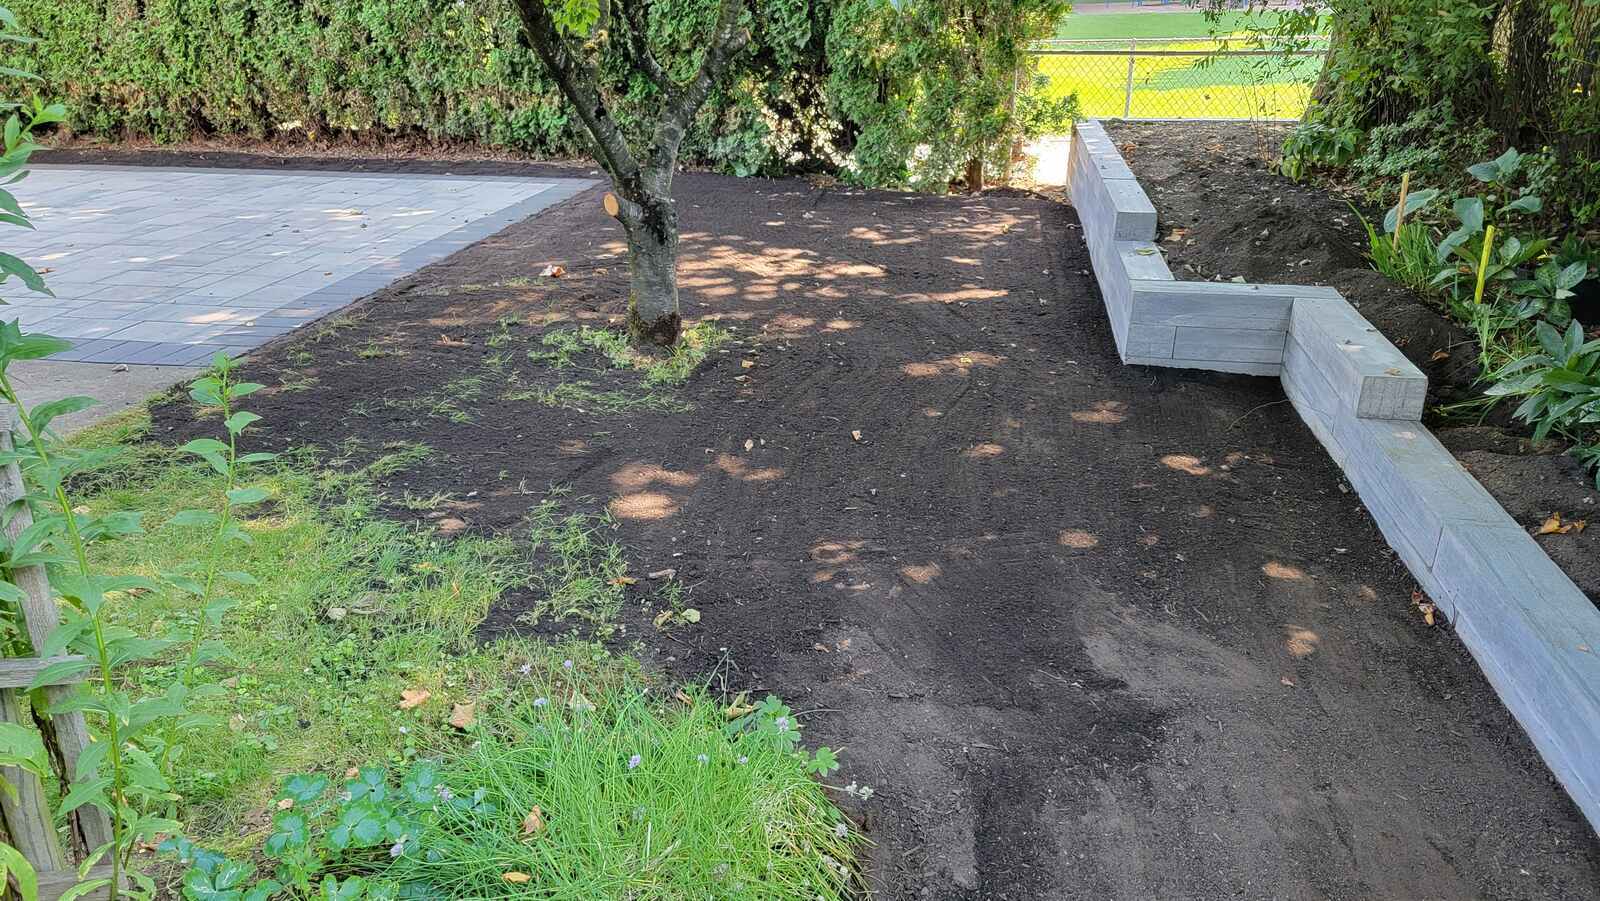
x: 856, y: 86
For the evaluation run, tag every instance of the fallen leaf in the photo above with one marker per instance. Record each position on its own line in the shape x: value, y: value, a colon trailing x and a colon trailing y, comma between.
x: 820, y: 648
x: 553, y: 271
x: 662, y: 574
x: 856, y: 434
x: 516, y: 877
x: 351, y: 773
x: 662, y: 619
x: 337, y: 613
x: 679, y: 694
x: 1287, y: 681
x: 533, y: 823
x: 285, y: 803
x: 1422, y: 603
x: 740, y: 706
x: 462, y: 716
x: 1440, y: 355
x: 414, y: 697
x: 1553, y: 526
x: 747, y: 364
x: 690, y: 615
x: 749, y: 444
x: 447, y: 341
x: 622, y: 581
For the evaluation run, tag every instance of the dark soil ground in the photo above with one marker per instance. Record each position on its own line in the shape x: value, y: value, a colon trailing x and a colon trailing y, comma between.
x: 1089, y: 631
x: 1225, y: 213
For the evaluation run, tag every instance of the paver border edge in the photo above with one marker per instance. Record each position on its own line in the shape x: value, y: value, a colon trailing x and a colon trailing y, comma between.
x: 1533, y: 632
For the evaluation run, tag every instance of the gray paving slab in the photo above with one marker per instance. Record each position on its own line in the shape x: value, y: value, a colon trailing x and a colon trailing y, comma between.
x: 169, y: 265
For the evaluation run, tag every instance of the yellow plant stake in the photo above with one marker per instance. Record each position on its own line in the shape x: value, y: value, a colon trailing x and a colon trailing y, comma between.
x: 1483, y: 263
x: 1400, y: 211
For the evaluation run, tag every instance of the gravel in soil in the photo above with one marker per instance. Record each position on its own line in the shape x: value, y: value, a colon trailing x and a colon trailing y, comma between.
x: 1088, y: 630
x: 1224, y: 213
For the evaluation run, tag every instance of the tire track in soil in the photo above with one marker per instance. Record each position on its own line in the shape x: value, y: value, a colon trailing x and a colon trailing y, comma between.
x: 1090, y: 631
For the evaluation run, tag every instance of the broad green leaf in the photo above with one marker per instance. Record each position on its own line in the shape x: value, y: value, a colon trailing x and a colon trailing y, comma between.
x: 60, y: 671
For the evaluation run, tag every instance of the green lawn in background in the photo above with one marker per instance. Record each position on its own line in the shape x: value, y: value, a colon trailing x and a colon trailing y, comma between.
x: 1200, y: 86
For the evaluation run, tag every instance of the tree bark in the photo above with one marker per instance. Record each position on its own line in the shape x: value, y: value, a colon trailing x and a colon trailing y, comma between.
x: 653, y: 315
x: 975, y: 174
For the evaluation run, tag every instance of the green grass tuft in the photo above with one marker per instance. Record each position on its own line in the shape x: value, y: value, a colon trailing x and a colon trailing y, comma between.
x: 637, y: 798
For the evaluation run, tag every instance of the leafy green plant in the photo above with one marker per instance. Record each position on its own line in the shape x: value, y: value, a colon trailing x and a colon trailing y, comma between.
x: 1548, y: 292
x: 1317, y: 145
x: 1560, y: 385
x: 127, y: 771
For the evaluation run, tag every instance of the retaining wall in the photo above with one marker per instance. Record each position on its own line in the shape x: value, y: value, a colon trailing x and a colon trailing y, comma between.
x: 1532, y: 631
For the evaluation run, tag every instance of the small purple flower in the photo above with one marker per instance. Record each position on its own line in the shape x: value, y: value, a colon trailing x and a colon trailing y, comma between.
x: 743, y: 759
x: 445, y: 793
x: 782, y: 723
x: 566, y: 664
x: 703, y: 759
x: 841, y: 830
x: 540, y: 702
x: 634, y: 761
x: 398, y: 848
x: 525, y: 669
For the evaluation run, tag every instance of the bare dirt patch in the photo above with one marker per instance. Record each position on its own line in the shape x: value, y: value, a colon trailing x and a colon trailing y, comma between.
x: 1088, y: 631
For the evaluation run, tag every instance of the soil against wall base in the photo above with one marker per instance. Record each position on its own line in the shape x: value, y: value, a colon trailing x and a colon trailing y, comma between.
x: 1224, y: 213
x: 1089, y: 631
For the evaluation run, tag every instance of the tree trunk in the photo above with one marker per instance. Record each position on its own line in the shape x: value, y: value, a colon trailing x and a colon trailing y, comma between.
x: 975, y: 173
x: 653, y: 315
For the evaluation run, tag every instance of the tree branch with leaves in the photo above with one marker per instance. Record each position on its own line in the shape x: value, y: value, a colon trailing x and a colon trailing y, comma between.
x: 569, y: 38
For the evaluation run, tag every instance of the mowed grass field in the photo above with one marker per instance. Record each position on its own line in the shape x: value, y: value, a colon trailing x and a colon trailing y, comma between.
x: 1196, y: 85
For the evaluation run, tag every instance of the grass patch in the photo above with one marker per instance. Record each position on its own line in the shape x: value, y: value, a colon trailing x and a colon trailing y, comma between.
x: 637, y: 797
x: 600, y: 350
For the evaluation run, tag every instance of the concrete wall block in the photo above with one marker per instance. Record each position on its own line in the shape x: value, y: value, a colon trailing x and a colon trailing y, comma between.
x: 1150, y: 341
x: 1212, y: 304
x: 1230, y: 345
x: 1142, y: 261
x: 1376, y: 380
x: 1413, y: 485
x: 1135, y: 214
x: 1535, y: 635
x: 1314, y: 399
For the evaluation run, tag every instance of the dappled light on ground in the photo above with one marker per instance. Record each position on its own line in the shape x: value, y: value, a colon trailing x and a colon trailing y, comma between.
x: 1276, y: 570
x: 643, y: 506
x: 1077, y: 539
x: 1106, y: 412
x: 921, y: 574
x: 985, y: 451
x: 635, y: 476
x: 739, y: 469
x: 1186, y: 463
x: 1301, y: 642
x: 957, y: 364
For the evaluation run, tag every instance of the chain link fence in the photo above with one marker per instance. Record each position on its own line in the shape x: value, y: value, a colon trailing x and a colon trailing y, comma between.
x: 1177, y: 79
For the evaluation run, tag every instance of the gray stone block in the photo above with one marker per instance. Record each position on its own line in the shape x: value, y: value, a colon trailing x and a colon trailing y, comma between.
x: 1233, y: 345
x: 1213, y: 304
x: 1142, y: 261
x: 1535, y: 635
x: 1150, y: 341
x: 1369, y: 374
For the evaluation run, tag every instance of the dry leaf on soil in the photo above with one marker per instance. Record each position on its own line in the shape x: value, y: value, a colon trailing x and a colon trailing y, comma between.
x: 414, y: 697
x: 1554, y: 526
x: 553, y: 271
x: 462, y: 716
x: 533, y: 823
x: 516, y: 877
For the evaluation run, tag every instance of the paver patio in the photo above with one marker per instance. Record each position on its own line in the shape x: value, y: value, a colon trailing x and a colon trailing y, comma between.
x: 167, y: 266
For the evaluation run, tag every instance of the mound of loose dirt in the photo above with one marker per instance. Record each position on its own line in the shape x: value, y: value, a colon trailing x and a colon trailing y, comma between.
x: 1224, y: 212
